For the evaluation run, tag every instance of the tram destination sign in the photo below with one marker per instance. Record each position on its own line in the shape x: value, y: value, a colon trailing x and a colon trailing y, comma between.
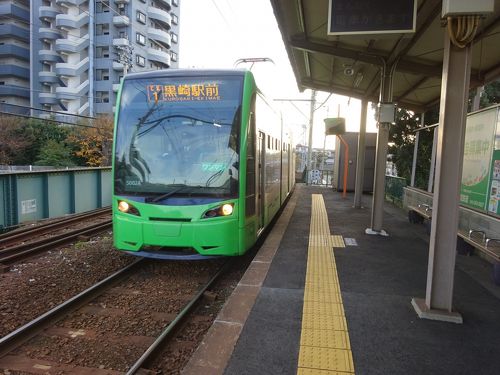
x: 348, y: 17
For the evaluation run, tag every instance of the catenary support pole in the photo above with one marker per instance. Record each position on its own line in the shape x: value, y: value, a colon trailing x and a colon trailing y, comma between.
x: 432, y: 170
x: 415, y: 154
x: 360, y: 159
x: 451, y: 134
x: 309, y: 145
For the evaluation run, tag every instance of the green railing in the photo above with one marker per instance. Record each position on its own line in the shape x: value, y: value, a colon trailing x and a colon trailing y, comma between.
x: 394, y: 189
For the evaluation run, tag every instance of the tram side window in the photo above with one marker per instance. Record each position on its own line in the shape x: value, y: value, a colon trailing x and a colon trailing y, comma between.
x: 250, y: 185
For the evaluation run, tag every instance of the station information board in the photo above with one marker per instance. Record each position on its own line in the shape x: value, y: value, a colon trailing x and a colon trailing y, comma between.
x: 347, y: 17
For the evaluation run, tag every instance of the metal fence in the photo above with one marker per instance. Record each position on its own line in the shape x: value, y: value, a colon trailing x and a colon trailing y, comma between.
x: 30, y: 196
x: 321, y: 178
x: 394, y: 189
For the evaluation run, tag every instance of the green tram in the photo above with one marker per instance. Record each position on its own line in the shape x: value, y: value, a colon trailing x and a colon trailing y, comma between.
x: 202, y: 164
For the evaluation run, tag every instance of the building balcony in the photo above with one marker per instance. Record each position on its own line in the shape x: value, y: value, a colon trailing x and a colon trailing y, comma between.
x: 8, y: 70
x: 73, y: 93
x: 161, y: 16
x: 21, y: 53
x: 47, y: 98
x: 70, y: 21
x: 15, y: 31
x: 72, y: 70
x: 68, y: 3
x: 46, y: 55
x: 84, y: 109
x: 160, y: 36
x: 167, y: 3
x: 10, y: 90
x: 13, y: 11
x: 121, y: 42
x: 104, y: 108
x: 69, y: 116
x: 48, y: 78
x: 118, y: 66
x: 121, y: 21
x: 159, y: 56
x: 47, y: 12
x: 49, y: 34
x: 72, y: 45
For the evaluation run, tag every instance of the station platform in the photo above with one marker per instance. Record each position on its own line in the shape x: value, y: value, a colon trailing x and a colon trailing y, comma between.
x: 322, y: 297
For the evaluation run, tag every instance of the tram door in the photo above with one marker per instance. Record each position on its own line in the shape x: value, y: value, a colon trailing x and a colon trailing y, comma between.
x: 261, y: 179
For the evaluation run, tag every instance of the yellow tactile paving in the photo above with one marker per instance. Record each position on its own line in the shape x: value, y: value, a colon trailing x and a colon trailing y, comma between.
x: 324, y: 346
x: 337, y: 241
x: 312, y: 371
x: 322, y: 308
x: 326, y: 359
x: 325, y: 339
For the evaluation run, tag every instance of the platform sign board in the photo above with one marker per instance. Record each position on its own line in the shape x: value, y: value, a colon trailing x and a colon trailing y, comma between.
x: 477, y: 162
x: 348, y: 17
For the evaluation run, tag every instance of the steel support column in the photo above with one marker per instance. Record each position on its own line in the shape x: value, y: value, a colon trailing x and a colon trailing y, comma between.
x: 360, y: 159
x: 377, y: 214
x: 311, y: 124
x: 451, y: 134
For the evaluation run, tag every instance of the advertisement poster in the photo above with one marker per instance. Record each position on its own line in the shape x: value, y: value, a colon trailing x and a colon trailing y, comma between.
x: 478, y: 149
x: 494, y: 196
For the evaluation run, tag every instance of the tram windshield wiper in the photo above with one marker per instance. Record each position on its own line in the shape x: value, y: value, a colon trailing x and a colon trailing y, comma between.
x: 176, y: 189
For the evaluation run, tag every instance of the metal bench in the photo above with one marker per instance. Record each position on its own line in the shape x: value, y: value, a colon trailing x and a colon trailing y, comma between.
x: 479, y: 240
x: 417, y: 214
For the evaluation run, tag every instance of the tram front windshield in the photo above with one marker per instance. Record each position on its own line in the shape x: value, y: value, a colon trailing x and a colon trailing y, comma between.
x: 178, y: 136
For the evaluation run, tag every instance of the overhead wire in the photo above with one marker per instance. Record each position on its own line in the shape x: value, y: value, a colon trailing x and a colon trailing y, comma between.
x: 47, y: 119
x: 48, y: 110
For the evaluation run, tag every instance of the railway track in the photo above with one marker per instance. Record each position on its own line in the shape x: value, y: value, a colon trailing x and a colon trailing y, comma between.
x: 21, y: 244
x: 26, y: 233
x: 25, y: 349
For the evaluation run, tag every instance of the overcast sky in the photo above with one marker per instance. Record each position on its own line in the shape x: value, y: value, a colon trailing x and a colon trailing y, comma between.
x: 216, y: 33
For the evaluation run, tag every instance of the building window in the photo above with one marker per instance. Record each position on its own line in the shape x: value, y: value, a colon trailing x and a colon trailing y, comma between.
x: 140, y: 60
x: 102, y: 74
x: 173, y: 55
x: 141, y: 17
x: 175, y: 39
x: 102, y: 6
x: 175, y: 20
x: 102, y: 29
x: 141, y: 39
x: 102, y: 52
x: 101, y: 97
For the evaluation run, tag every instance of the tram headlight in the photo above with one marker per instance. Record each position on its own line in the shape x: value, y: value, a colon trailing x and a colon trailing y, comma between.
x: 127, y: 208
x: 227, y: 209
x: 223, y: 210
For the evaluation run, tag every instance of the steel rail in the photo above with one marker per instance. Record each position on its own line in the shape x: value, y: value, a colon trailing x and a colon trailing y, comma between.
x: 16, y: 338
x: 14, y: 253
x: 175, y: 323
x: 10, y: 237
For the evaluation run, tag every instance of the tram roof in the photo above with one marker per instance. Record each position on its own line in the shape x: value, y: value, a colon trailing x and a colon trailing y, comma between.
x: 187, y: 72
x: 319, y: 60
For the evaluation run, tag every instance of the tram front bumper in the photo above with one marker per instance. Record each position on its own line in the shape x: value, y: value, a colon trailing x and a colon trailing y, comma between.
x: 218, y: 236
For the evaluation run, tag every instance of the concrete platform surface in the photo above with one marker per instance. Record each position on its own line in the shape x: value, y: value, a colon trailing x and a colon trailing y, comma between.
x: 378, y: 278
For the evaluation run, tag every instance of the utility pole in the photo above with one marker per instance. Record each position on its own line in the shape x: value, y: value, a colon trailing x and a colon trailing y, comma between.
x: 311, y: 121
